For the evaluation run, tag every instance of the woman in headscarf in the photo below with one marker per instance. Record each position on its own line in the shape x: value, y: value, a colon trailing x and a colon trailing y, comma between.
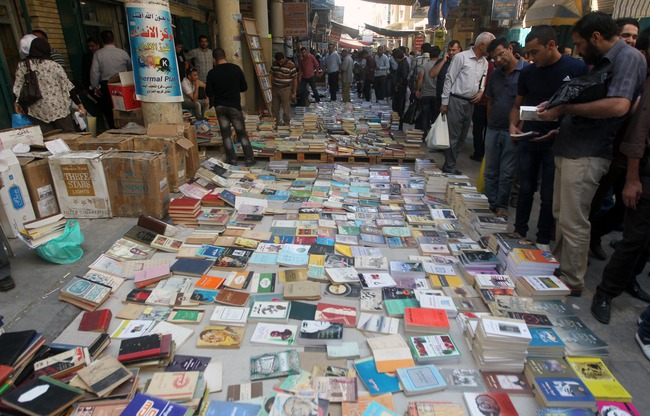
x: 52, y: 111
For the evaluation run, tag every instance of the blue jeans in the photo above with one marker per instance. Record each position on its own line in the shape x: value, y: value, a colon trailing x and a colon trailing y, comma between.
x: 230, y: 116
x: 500, y: 163
x: 430, y: 109
x: 532, y: 158
x: 303, y: 90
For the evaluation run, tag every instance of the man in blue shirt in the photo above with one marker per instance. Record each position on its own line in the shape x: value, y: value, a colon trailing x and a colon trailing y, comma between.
x: 500, y: 151
x: 537, y: 83
x: 583, y: 148
x: 333, y: 65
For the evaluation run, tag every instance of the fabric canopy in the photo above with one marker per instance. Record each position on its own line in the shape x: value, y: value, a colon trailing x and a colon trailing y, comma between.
x: 553, y: 12
x: 391, y: 33
x: 346, y: 29
x: 631, y: 8
x: 351, y: 44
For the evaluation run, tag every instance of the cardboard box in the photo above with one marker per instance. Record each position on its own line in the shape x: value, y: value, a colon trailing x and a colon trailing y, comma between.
x: 122, y: 89
x: 192, y: 161
x: 174, y: 150
x: 80, y: 184
x: 106, y: 142
x: 14, y: 197
x: 31, y: 135
x: 137, y: 183
x: 69, y: 138
x: 122, y: 118
x: 40, y: 186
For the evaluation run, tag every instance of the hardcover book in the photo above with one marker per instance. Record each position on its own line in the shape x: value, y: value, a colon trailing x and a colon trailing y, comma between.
x: 96, y: 321
x: 320, y: 333
x: 218, y: 336
x: 329, y: 312
x: 274, y: 365
x: 104, y: 375
x: 143, y: 404
x: 274, y: 334
x: 375, y: 382
x: 480, y: 403
x: 42, y: 396
x: 421, y: 379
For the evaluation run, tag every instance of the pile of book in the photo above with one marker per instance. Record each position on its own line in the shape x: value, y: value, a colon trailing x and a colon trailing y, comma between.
x: 40, y: 231
x: 501, y: 344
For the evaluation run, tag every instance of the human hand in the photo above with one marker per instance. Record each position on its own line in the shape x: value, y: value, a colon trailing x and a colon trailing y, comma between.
x: 443, y: 109
x: 418, y: 93
x: 550, y: 135
x: 477, y: 97
x: 97, y: 93
x: 18, y: 109
x: 632, y: 193
x: 549, y: 114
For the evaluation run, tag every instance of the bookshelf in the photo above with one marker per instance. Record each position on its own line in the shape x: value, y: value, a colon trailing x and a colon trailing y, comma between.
x: 257, y: 56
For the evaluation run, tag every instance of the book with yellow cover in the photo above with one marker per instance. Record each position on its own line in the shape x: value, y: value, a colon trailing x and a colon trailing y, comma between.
x: 440, y: 281
x: 390, y: 353
x: 598, y: 379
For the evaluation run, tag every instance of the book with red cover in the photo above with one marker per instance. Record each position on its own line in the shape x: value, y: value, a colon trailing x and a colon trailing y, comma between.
x: 184, y: 205
x: 5, y: 372
x: 329, y: 312
x: 427, y: 320
x: 96, y: 321
x: 212, y: 200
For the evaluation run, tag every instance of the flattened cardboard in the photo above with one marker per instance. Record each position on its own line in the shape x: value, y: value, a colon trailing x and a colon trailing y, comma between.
x: 174, y: 156
x: 14, y: 196
x: 105, y: 142
x: 40, y: 186
x: 30, y: 135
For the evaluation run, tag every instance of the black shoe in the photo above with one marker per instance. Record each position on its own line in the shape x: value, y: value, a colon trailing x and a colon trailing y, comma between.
x: 597, y: 251
x: 7, y: 284
x: 601, y: 308
x: 575, y: 293
x: 476, y: 158
x: 250, y: 163
x: 614, y: 243
x: 452, y: 171
x: 637, y: 291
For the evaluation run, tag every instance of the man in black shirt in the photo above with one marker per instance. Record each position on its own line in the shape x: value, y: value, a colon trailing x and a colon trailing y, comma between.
x: 439, y: 70
x: 224, y: 84
x: 401, y: 82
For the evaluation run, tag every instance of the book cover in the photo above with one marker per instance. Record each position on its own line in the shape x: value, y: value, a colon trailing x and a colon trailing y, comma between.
x: 191, y: 267
x: 302, y: 311
x: 274, y: 365
x: 270, y: 311
x: 140, y: 235
x: 204, y: 296
x: 598, y: 379
x: 428, y: 319
x: 229, y: 315
x: 421, y: 379
x: 329, y: 312
x: 245, y: 391
x: 140, y: 347
x: 219, y: 336
x: 481, y: 404
x: 320, y: 333
x: 564, y: 391
x: 433, y: 348
x: 96, y: 321
x: 375, y: 382
x: 143, y: 404
x: 616, y: 408
x: 220, y: 407
x: 510, y: 383
x: 210, y: 282
x: 274, y: 334
x: 238, y: 279
x: 42, y: 396
x: 371, y: 322
x: 104, y: 375
x: 179, y: 385
x: 188, y: 363
x: 186, y: 316
x: 390, y: 353
x: 232, y: 297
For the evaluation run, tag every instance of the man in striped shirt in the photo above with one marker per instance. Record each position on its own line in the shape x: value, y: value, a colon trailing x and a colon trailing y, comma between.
x: 285, y: 86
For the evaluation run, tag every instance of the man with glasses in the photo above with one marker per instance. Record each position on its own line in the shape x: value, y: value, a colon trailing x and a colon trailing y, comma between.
x: 500, y: 152
x: 464, y: 86
x: 537, y: 83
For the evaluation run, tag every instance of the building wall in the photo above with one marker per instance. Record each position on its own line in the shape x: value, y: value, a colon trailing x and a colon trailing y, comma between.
x: 44, y: 15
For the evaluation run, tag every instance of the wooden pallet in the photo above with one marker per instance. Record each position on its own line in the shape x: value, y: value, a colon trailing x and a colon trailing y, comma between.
x: 389, y: 160
x: 301, y: 156
x: 352, y: 159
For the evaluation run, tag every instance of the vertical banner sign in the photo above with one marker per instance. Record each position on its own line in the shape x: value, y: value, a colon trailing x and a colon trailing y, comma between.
x: 418, y: 41
x: 335, y: 33
x: 155, y: 69
x: 439, y: 39
x: 504, y: 9
x: 295, y: 19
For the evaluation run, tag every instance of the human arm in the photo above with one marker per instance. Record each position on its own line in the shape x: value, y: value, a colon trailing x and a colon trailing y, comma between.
x: 633, y: 190
x: 420, y: 79
x: 603, y: 108
x: 435, y: 70
x: 94, y: 74
x: 452, y: 74
x: 515, y: 122
x: 243, y: 86
x: 384, y: 63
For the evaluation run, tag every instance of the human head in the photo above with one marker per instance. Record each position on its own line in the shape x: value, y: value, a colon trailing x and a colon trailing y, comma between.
x: 107, y: 37
x: 426, y: 47
x: 304, y: 53
x: 280, y: 58
x: 482, y: 42
x: 39, y: 34
x: 25, y: 44
x: 500, y: 52
x: 643, y: 45
x: 380, y: 50
x: 331, y: 47
x: 404, y: 50
x: 219, y: 54
x: 516, y: 49
x: 344, y: 52
x: 628, y: 29
x: 435, y: 51
x: 179, y: 46
x: 541, y: 45
x: 594, y: 35
x: 192, y: 74
x: 487, y: 405
x: 398, y: 54
x: 203, y: 42
x: 453, y: 47
x: 40, y: 49
x: 93, y: 44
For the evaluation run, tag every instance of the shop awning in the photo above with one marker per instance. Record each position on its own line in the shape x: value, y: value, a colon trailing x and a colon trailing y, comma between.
x: 631, y: 8
x: 350, y: 44
x: 346, y: 29
x: 553, y: 12
x: 391, y: 33
x: 398, y: 2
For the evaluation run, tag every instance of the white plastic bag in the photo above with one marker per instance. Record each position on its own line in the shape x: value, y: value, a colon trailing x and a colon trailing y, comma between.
x: 438, y: 137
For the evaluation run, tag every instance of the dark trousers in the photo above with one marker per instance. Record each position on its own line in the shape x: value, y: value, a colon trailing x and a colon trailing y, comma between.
x: 229, y: 116
x: 399, y: 102
x: 479, y: 125
x: 367, y: 86
x: 333, y: 81
x: 532, y: 159
x: 632, y: 251
x: 644, y: 328
x: 430, y: 109
x: 304, y: 95
x: 65, y: 124
x: 5, y: 266
x: 604, y: 222
x: 105, y: 104
x: 380, y: 87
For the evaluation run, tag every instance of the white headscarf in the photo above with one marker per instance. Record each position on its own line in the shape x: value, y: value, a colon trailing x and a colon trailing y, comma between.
x: 25, y: 44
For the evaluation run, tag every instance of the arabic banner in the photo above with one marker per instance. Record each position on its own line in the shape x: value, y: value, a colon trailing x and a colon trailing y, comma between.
x: 295, y: 19
x: 155, y: 68
x: 504, y: 9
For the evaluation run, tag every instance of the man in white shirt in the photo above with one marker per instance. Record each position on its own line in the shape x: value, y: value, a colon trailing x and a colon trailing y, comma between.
x: 464, y: 86
x: 383, y: 64
x: 190, y: 86
x: 201, y: 58
x: 347, y: 76
x: 333, y: 64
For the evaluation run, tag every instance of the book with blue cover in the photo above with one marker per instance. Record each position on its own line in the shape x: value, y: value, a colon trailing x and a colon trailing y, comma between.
x: 376, y: 409
x: 421, y: 379
x: 563, y: 392
x: 191, y: 267
x: 143, y: 404
x: 375, y: 382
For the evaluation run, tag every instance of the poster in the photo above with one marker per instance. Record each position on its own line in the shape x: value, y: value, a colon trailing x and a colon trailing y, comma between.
x: 504, y: 9
x: 419, y: 12
x: 295, y: 19
x: 418, y: 41
x: 155, y: 68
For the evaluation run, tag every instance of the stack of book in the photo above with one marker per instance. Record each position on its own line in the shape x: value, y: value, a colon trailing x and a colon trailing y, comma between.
x: 542, y: 287
x: 147, y: 350
x: 85, y: 293
x: 545, y: 343
x: 185, y: 211
x: 40, y: 231
x: 527, y: 262
x: 501, y: 344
